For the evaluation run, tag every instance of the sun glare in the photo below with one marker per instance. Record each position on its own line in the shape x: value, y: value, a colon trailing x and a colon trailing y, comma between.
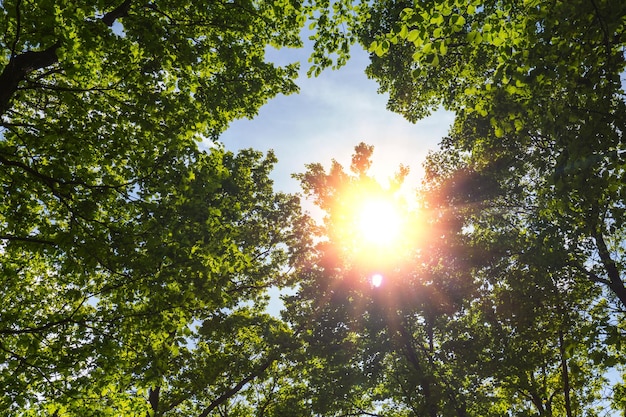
x: 375, y: 231
x: 379, y: 221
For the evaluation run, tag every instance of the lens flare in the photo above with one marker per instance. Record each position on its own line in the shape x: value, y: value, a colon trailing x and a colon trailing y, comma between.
x: 377, y: 280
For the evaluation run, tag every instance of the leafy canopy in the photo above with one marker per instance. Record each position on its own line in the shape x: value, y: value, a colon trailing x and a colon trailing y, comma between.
x: 536, y: 86
x: 533, y: 165
x: 134, y: 266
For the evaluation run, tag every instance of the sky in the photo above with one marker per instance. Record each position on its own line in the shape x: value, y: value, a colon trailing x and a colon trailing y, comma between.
x: 328, y: 117
x: 331, y: 115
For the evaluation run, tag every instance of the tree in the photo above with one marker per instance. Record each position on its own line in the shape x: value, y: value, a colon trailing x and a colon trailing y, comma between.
x: 135, y: 267
x: 469, y: 320
x: 544, y: 81
x: 96, y: 98
x: 551, y: 327
x: 411, y: 346
x: 537, y: 88
x: 157, y: 306
x: 188, y: 62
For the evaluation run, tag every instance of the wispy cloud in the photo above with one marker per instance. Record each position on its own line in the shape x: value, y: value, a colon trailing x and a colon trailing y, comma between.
x: 331, y: 115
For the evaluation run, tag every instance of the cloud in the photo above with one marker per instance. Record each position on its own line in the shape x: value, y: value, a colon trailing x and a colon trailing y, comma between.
x: 331, y: 115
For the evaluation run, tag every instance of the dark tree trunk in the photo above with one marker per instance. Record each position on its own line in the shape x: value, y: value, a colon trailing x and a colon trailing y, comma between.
x: 426, y: 380
x: 565, y: 370
x: 153, y: 399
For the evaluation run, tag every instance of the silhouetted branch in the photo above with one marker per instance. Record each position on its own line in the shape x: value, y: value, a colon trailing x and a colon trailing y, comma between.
x: 120, y: 11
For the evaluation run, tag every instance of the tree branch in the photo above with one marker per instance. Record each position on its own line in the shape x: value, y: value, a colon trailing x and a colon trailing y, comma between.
x: 119, y: 12
x: 29, y: 239
x: 18, y: 27
x: 45, y: 327
x: 54, y: 183
x: 590, y: 275
x: 360, y: 413
x: 615, y: 282
x: 19, y: 67
x: 235, y: 389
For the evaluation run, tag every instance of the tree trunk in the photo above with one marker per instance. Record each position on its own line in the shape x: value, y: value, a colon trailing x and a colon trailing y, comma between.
x: 615, y: 282
x: 565, y: 370
x: 426, y: 380
x: 153, y: 399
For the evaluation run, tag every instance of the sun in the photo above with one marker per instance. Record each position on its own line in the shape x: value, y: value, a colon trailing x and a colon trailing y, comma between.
x: 380, y: 229
x: 373, y: 229
x: 378, y: 221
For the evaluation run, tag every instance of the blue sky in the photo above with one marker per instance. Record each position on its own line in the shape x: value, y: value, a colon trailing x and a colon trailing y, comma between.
x: 326, y: 120
x: 329, y: 117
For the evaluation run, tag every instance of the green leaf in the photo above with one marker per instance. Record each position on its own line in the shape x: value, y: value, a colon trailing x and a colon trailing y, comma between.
x: 404, y: 32
x: 413, y: 35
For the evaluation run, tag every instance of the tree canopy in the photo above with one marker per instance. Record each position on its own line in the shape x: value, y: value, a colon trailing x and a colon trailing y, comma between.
x: 465, y: 322
x: 534, y: 170
x: 135, y: 266
x: 537, y: 88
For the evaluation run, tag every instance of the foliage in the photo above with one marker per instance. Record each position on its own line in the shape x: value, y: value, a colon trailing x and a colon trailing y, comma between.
x: 188, y: 62
x: 550, y: 323
x: 134, y: 266
x: 528, y: 80
x: 536, y: 151
x: 157, y: 294
x: 470, y: 321
x: 398, y: 347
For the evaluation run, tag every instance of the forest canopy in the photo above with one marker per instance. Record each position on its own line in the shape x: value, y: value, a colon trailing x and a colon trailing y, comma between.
x: 136, y: 266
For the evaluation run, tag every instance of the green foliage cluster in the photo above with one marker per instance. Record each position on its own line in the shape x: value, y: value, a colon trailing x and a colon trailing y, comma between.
x: 482, y: 317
